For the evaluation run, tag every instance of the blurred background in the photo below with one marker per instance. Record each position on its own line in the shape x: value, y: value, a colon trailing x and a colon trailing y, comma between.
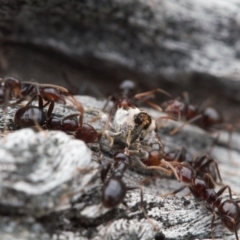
x: 181, y: 45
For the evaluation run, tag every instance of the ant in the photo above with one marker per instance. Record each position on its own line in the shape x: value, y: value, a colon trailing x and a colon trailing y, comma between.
x: 31, y: 116
x: 10, y: 88
x: 202, y: 164
x: 206, y: 118
x: 125, y: 103
x: 122, y: 161
x: 114, y: 189
x: 228, y: 210
x: 130, y: 124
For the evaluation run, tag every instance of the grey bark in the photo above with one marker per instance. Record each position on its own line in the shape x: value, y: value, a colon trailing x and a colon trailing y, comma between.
x: 51, y: 187
x: 177, y: 35
x: 176, y: 45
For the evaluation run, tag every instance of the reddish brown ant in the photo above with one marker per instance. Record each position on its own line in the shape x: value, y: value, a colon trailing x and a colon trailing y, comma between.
x: 114, y: 189
x: 127, y: 99
x: 112, y: 196
x: 208, y: 118
x: 130, y: 124
x: 201, y: 165
x: 32, y: 116
x: 10, y: 88
x: 228, y: 210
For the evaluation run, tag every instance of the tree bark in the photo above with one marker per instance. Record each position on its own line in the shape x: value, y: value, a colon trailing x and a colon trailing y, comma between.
x: 51, y: 187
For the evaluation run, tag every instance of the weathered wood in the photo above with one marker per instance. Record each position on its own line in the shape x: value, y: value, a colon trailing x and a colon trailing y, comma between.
x: 44, y: 194
x: 155, y: 36
x: 177, y: 45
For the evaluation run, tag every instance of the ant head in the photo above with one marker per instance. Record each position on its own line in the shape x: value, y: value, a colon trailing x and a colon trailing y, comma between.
x: 176, y: 107
x: 142, y: 121
x: 211, y: 116
x: 123, y: 103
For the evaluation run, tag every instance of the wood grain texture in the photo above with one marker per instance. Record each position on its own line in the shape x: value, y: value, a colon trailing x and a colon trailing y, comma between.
x: 51, y: 188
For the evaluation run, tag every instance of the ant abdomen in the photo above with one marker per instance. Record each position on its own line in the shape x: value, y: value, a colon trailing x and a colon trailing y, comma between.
x: 114, y: 191
x: 86, y: 133
x: 29, y: 116
x: 210, y: 118
x: 229, y: 212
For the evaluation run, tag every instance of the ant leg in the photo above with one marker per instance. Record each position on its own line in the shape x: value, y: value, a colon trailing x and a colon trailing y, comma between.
x: 79, y: 107
x: 174, y: 192
x: 162, y: 125
x: 68, y: 117
x: 200, y: 160
x: 222, y: 189
x: 40, y: 101
x: 5, y: 105
x: 209, y: 180
x: 107, y: 102
x: 235, y: 228
x: 142, y: 206
x: 108, y: 122
x: 63, y: 89
x: 50, y: 109
x: 152, y: 167
x: 153, y: 105
x: 105, y: 168
x: 185, y: 123
x: 230, y: 219
x: 212, y: 225
x: 100, y: 115
x: 159, y: 142
x: 130, y: 139
x: 141, y: 96
x: 148, y: 179
x: 169, y: 165
x: 106, y: 142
